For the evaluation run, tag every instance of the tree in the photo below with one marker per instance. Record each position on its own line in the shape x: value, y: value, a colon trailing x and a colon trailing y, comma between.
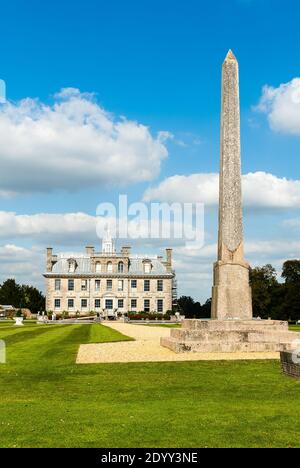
x: 191, y: 309
x: 11, y: 293
x: 263, y: 282
x: 186, y: 305
x: 290, y: 308
x: 21, y: 296
x: 291, y: 271
x: 33, y: 299
x: 206, y: 309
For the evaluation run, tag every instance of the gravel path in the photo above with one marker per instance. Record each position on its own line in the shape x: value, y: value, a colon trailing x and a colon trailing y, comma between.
x: 146, y: 348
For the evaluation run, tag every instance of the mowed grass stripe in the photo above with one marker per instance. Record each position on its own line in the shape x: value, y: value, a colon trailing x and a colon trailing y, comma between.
x: 26, y: 347
x: 23, y: 333
x: 65, y: 347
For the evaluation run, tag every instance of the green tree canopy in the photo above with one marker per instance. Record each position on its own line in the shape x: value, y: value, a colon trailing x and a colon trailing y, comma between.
x: 291, y: 271
x: 21, y: 296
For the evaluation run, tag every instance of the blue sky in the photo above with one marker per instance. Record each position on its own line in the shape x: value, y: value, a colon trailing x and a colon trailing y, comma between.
x: 158, y: 64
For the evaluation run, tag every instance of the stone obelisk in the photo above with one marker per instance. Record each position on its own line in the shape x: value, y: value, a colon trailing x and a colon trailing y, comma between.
x: 231, y: 291
x: 233, y: 329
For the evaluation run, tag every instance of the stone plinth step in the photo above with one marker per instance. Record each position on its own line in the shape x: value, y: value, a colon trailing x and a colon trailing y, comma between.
x: 221, y: 325
x: 231, y: 336
x: 263, y: 335
x: 222, y: 347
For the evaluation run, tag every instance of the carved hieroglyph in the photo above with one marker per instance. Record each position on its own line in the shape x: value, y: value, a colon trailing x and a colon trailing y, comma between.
x: 230, y: 204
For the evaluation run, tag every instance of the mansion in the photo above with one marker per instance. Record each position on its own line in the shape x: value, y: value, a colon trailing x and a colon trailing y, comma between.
x: 108, y: 282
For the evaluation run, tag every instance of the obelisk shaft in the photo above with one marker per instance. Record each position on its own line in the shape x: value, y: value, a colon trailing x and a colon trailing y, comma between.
x: 231, y: 290
x: 230, y: 196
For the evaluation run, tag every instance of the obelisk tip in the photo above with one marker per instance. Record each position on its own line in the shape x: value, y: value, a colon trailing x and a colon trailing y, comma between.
x: 230, y: 56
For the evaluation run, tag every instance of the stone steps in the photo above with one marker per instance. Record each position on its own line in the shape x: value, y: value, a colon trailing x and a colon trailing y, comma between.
x: 235, y: 336
x: 221, y: 325
x: 226, y: 336
x: 223, y: 347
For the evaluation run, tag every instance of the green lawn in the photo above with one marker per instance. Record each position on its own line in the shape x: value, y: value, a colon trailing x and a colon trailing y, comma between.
x: 48, y: 400
x: 294, y: 328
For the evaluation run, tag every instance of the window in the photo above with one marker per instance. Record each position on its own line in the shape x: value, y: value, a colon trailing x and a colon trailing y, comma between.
x: 120, y: 267
x: 109, y: 267
x: 160, y: 285
x: 146, y: 305
x: 97, y: 303
x: 120, y: 303
x: 70, y: 303
x: 57, y: 285
x: 56, y: 303
x: 97, y: 285
x: 120, y: 285
x: 83, y: 303
x: 160, y: 305
x: 84, y: 285
x: 133, y: 303
x: 109, y: 304
x: 146, y: 285
x: 98, y: 267
x: 70, y: 285
x: 133, y: 284
x: 109, y: 285
x: 72, y: 265
x: 147, y: 267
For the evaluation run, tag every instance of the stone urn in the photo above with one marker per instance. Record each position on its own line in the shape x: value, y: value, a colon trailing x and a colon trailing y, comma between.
x: 19, y: 321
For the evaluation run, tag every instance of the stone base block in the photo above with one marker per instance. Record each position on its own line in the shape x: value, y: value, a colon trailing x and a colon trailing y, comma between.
x: 231, y: 293
x: 229, y: 336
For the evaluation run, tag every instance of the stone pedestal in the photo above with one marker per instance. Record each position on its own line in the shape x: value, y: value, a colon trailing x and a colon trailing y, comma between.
x: 229, y: 336
x: 19, y: 321
x: 231, y: 293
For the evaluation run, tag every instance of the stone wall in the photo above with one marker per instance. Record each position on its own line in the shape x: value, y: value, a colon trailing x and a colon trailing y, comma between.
x: 91, y: 293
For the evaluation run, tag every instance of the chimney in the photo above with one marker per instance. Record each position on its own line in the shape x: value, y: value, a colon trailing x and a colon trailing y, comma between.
x: 125, y: 251
x: 169, y: 260
x: 90, y: 250
x: 49, y: 259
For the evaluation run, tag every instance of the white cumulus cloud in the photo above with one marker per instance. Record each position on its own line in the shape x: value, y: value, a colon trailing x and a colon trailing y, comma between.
x: 282, y: 106
x: 71, y: 144
x: 261, y: 190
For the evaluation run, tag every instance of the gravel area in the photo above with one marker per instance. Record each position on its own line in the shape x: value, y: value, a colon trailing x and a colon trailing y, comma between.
x: 146, y: 348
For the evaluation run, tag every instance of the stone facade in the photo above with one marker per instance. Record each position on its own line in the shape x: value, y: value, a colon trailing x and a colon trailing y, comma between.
x: 108, y: 282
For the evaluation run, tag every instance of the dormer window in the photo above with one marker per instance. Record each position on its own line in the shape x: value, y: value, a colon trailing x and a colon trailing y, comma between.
x: 120, y: 267
x: 147, y: 266
x: 98, y: 267
x: 109, y: 267
x: 72, y: 265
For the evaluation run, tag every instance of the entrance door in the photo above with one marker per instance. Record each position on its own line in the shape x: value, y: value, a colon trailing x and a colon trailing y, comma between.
x: 109, y: 304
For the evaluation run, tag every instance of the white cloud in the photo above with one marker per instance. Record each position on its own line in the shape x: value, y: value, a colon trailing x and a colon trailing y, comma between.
x: 282, y: 106
x: 72, y: 144
x: 194, y: 267
x: 25, y: 265
x: 261, y: 190
x: 43, y: 227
